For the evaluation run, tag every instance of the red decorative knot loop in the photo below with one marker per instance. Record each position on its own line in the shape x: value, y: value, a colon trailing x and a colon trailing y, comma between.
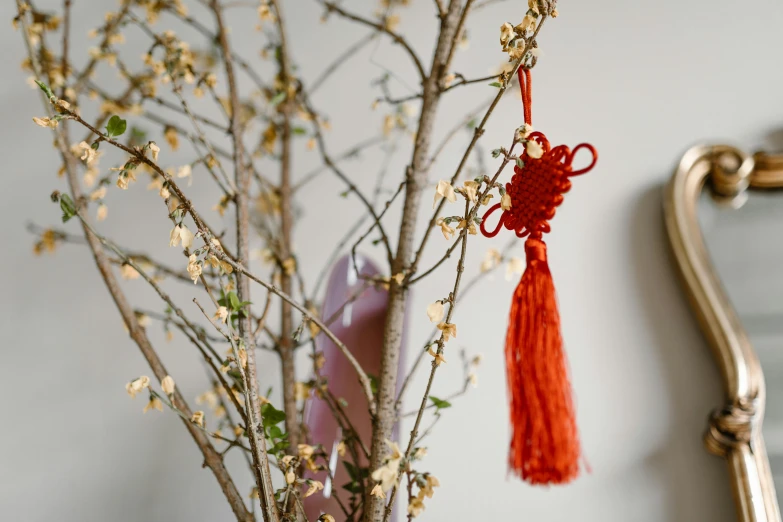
x: 537, y: 189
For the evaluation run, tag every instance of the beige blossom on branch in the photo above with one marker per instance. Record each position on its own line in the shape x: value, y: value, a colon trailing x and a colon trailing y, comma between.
x: 515, y: 265
x: 88, y: 153
x: 181, y: 234
x: 153, y: 404
x: 194, y: 268
x: 154, y: 150
x: 437, y: 356
x: 377, y: 491
x: 387, y: 474
x: 198, y: 418
x: 470, y: 190
x: 534, y: 149
x: 221, y: 314
x: 471, y: 226
x: 128, y: 272
x: 435, y: 312
x: 491, y: 259
x: 444, y: 190
x: 102, y: 212
x: 445, y: 229
x: 46, y: 122
x: 313, y: 486
x: 135, y: 386
x: 167, y: 385
x: 505, y: 201
x: 449, y: 330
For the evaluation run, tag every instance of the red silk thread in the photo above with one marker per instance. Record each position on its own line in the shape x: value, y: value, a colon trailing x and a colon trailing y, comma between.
x: 544, y: 447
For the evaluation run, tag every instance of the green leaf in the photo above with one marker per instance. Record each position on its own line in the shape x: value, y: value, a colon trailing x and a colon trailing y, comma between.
x: 299, y: 130
x: 373, y: 383
x: 45, y: 88
x: 352, y: 470
x: 233, y: 299
x: 520, y: 163
x: 67, y: 206
x: 280, y: 446
x: 116, y: 126
x: 277, y: 98
x: 496, y: 84
x: 439, y: 403
x: 271, y: 415
x: 353, y: 487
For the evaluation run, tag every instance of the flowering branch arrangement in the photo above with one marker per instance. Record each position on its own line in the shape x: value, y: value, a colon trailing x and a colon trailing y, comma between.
x: 229, y: 321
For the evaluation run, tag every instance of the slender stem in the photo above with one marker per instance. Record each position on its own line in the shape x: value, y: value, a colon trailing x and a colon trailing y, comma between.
x: 286, y: 348
x: 441, y: 343
x: 341, y: 59
x: 333, y: 7
x: 416, y: 178
x: 242, y: 181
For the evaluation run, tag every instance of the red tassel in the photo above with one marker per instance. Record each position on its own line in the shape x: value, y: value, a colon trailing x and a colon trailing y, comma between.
x: 544, y: 444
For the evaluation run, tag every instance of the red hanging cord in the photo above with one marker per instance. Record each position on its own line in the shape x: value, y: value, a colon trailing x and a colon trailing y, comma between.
x: 525, y: 88
x: 544, y: 445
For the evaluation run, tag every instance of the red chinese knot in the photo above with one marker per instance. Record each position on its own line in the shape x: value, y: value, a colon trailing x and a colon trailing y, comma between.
x: 537, y: 189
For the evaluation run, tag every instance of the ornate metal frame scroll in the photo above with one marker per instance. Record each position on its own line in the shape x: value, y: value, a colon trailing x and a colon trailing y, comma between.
x: 734, y: 429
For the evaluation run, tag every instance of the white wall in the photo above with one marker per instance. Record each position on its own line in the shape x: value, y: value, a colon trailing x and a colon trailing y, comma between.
x: 640, y: 80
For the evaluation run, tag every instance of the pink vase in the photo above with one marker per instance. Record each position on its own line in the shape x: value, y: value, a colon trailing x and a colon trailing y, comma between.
x: 360, y: 326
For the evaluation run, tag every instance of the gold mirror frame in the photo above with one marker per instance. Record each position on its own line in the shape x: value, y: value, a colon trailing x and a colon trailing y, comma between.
x: 734, y: 429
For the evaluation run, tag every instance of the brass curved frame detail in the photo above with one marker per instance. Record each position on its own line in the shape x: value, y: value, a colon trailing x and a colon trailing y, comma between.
x: 734, y: 430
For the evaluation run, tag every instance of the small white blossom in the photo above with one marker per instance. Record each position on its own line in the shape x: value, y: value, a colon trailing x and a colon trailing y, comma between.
x: 534, y: 149
x: 221, y: 314
x: 449, y: 330
x: 88, y: 153
x: 524, y: 131
x: 137, y: 385
x: 444, y: 190
x: 491, y: 260
x: 194, y: 268
x: 198, y: 418
x: 439, y: 359
x: 515, y: 266
x: 155, y: 150
x: 102, y: 212
x: 167, y: 385
x: 45, y: 122
x: 377, y: 491
x: 387, y: 474
x: 470, y: 190
x: 445, y: 228
x: 153, y: 404
x: 435, y: 312
x: 186, y: 236
x: 185, y: 171
x: 505, y: 201
x: 314, y: 486
x: 507, y: 34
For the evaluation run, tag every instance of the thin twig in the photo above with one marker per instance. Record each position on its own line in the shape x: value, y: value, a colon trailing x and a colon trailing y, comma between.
x: 397, y: 38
